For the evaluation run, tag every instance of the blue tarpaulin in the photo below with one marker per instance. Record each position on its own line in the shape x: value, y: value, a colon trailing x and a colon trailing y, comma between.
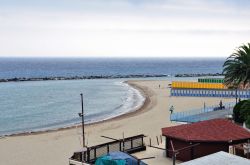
x: 117, y: 158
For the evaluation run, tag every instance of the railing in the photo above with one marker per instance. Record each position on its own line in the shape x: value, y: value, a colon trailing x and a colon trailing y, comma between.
x: 201, y: 114
x: 130, y: 145
x: 74, y: 162
x: 230, y: 93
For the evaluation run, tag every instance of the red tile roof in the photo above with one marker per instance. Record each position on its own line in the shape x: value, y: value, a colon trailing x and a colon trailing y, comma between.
x: 216, y: 130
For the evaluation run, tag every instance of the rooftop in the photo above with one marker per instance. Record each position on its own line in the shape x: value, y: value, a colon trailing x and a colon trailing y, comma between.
x: 215, y: 130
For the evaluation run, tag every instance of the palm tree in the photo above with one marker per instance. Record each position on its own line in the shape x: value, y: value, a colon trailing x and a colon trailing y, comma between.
x: 237, y: 67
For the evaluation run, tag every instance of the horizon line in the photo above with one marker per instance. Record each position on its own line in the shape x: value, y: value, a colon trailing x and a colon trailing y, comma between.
x: 106, y: 57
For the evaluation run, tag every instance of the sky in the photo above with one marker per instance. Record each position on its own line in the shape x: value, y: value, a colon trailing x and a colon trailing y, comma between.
x: 123, y: 28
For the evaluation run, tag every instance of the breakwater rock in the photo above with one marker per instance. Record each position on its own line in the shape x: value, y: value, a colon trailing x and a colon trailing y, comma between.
x: 81, y: 77
x: 199, y: 75
x: 104, y: 77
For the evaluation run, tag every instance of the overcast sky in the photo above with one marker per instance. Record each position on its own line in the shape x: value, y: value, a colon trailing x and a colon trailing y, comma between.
x: 123, y: 28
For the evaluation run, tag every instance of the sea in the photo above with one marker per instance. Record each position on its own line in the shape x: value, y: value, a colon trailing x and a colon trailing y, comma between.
x: 32, y: 106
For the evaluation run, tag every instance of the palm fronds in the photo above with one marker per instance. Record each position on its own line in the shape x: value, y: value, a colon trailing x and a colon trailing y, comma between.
x: 237, y: 67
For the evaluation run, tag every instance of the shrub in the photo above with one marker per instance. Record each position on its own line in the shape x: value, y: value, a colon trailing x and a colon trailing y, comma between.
x: 236, y: 112
x: 245, y: 112
x: 248, y: 122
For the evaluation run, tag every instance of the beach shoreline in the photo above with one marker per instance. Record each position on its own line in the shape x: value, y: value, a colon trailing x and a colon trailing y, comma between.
x: 146, y: 105
x: 56, y: 147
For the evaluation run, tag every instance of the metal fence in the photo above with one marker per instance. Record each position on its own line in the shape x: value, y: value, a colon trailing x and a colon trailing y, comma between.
x: 230, y: 93
x: 206, y: 113
x: 130, y: 145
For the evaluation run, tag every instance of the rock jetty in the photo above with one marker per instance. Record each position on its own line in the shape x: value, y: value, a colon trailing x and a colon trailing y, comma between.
x: 199, y: 75
x: 103, y: 77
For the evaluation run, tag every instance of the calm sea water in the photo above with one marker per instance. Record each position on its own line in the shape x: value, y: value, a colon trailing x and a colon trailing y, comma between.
x: 42, y: 67
x: 42, y: 105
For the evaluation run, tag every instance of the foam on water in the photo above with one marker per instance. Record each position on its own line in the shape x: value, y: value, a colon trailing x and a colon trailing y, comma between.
x: 131, y: 101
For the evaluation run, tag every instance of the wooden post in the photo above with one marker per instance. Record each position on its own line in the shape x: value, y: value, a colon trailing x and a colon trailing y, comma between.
x: 88, y: 154
x: 174, y: 157
x: 142, y: 143
x: 131, y: 143
x: 120, y: 145
x: 174, y: 152
x: 166, y: 146
x: 95, y: 152
x: 247, y: 149
x: 192, y: 152
x: 123, y: 143
x: 157, y: 140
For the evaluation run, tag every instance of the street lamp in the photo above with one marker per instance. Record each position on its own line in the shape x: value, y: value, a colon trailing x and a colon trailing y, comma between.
x: 82, y: 115
x: 236, y: 95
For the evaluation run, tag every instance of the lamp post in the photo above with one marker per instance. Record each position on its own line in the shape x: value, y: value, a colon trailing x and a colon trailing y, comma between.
x: 236, y: 95
x: 82, y: 115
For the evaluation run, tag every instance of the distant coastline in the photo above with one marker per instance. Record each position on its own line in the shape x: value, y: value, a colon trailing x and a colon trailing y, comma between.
x: 19, y: 79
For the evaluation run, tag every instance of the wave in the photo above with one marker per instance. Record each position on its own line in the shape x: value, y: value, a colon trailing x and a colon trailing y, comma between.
x: 131, y: 102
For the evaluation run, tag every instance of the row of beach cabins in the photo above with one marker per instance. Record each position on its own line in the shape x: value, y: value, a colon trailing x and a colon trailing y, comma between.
x: 210, y: 141
x: 207, y: 87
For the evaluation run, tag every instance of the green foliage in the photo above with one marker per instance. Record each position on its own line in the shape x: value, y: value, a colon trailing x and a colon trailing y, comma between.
x: 242, y: 112
x: 245, y: 110
x: 236, y: 112
x: 237, y: 67
x: 248, y: 121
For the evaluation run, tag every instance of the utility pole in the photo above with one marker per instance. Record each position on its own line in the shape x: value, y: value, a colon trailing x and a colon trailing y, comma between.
x: 82, y: 115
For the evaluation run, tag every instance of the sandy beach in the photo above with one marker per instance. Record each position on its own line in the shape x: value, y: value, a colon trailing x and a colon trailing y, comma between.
x: 55, y: 147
